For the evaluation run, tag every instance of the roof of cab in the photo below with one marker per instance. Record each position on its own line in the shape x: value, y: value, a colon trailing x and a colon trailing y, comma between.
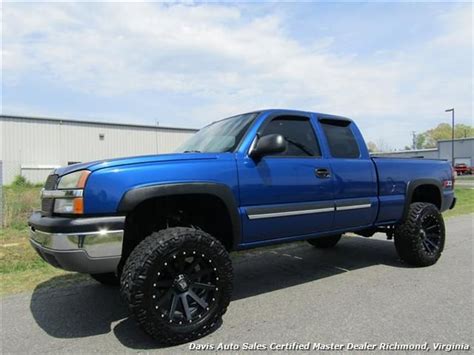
x: 320, y: 115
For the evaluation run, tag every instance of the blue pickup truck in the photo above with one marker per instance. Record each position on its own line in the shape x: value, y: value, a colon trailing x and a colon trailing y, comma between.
x: 162, y: 226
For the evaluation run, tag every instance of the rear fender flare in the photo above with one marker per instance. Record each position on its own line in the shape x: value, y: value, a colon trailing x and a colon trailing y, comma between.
x: 411, y: 187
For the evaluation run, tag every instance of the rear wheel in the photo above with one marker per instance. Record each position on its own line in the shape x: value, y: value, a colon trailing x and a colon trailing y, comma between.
x: 178, y: 284
x: 325, y: 242
x: 419, y: 240
x: 107, y: 279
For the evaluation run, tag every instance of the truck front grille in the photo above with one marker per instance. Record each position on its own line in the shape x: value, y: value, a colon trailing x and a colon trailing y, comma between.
x: 47, y: 204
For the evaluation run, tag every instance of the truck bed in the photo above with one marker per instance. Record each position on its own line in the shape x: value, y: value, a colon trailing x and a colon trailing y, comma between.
x: 395, y: 175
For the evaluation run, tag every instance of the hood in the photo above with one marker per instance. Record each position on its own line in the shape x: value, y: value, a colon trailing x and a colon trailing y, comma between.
x: 143, y: 159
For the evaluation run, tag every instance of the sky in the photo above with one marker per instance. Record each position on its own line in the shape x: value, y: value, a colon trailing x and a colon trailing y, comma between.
x: 392, y: 67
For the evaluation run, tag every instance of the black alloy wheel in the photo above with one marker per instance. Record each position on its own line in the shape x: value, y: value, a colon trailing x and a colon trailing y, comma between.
x: 430, y: 234
x: 420, y: 239
x: 178, y: 284
x: 185, y: 287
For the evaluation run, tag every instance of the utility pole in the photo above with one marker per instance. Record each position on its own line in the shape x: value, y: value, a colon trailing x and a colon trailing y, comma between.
x: 414, y: 139
x: 452, y: 133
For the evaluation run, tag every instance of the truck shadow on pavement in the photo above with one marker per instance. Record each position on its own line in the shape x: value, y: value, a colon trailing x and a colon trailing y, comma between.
x: 88, y: 308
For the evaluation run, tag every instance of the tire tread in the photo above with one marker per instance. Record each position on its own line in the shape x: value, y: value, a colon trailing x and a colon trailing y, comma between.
x: 144, y: 256
x: 406, y: 236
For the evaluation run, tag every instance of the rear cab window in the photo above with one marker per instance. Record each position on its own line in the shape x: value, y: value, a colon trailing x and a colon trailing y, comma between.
x: 341, y: 140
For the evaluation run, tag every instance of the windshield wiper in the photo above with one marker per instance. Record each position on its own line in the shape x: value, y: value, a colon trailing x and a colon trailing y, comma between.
x: 192, y: 151
x: 300, y: 146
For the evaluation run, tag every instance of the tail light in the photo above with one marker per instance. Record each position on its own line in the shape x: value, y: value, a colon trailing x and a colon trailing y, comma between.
x: 449, y: 184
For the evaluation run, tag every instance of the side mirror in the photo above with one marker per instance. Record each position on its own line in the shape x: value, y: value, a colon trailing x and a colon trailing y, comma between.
x: 272, y: 143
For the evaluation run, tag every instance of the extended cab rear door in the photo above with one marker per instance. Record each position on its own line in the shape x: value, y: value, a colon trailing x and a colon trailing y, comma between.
x: 353, y: 172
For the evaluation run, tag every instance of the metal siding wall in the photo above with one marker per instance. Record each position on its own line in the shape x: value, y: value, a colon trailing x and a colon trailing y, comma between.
x: 35, y: 175
x: 82, y: 142
x: 28, y: 142
x: 169, y: 141
x: 462, y: 149
x: 33, y: 142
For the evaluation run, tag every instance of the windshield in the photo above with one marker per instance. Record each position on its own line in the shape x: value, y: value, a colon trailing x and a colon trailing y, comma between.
x: 219, y: 137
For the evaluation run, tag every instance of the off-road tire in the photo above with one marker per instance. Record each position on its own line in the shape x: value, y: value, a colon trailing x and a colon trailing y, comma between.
x: 325, y: 242
x: 151, y: 258
x: 109, y: 279
x: 410, y: 236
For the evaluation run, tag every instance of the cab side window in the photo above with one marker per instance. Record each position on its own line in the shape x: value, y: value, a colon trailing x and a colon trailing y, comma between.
x: 341, y: 140
x: 299, y: 134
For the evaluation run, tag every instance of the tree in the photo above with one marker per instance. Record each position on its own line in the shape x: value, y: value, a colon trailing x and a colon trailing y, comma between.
x: 382, y: 146
x: 463, y: 131
x: 372, y: 147
x: 420, y: 141
x: 430, y: 138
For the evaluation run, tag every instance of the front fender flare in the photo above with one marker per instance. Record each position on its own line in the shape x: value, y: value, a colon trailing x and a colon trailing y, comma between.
x: 132, y: 198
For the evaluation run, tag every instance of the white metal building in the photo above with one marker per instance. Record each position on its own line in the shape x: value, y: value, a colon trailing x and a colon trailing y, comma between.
x: 463, y: 151
x: 33, y: 146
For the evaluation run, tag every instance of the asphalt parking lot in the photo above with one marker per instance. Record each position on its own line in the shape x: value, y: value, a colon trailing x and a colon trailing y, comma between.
x: 357, y: 292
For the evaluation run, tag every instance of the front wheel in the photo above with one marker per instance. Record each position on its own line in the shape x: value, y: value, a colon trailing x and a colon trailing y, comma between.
x: 178, y: 284
x: 419, y: 240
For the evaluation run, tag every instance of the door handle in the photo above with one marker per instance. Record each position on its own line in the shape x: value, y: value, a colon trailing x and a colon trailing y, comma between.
x: 322, y: 173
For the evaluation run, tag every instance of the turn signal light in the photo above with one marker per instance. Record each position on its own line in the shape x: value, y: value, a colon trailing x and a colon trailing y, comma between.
x: 82, y: 179
x: 78, y: 205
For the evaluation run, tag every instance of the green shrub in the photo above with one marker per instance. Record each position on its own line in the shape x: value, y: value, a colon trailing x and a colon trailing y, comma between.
x: 18, y: 204
x: 21, y: 181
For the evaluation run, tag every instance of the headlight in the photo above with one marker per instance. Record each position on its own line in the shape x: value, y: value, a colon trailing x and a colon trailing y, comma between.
x: 75, y: 180
x: 69, y: 206
x: 68, y: 197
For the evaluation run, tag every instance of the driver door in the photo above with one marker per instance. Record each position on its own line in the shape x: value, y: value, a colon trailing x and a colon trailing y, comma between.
x: 288, y: 194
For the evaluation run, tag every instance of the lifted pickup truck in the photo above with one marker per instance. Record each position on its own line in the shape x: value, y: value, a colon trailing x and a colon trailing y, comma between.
x: 162, y: 225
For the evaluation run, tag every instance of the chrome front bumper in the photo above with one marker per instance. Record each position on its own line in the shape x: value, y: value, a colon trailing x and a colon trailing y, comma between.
x: 87, y: 252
